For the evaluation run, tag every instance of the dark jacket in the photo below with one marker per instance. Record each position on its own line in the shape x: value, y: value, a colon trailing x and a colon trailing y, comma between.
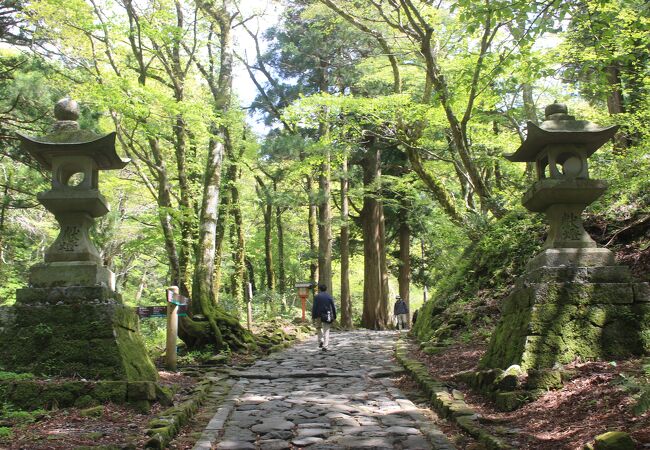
x: 400, y: 307
x: 323, y: 302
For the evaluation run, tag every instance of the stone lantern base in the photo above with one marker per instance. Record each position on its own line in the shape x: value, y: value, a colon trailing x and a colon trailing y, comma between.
x: 73, y: 331
x: 77, y: 273
x: 559, y: 313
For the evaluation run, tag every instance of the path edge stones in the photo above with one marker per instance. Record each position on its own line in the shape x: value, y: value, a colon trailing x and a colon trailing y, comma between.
x: 444, y: 403
x: 162, y: 429
x: 215, y: 427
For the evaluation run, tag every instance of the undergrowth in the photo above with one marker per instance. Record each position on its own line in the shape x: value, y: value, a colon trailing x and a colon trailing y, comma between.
x: 463, y: 304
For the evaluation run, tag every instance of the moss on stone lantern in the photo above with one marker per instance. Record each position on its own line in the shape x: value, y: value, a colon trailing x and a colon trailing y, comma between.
x: 70, y: 321
x: 573, y: 300
x: 75, y: 158
x: 560, y: 149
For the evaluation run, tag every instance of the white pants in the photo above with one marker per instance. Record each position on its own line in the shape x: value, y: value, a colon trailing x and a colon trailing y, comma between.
x: 402, y: 321
x: 323, y: 332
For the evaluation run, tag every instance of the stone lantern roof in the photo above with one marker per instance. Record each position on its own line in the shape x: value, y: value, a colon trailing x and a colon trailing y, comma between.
x: 561, y: 128
x: 67, y: 139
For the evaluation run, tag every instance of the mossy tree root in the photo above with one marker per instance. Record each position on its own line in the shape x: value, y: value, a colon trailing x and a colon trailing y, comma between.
x: 216, y: 328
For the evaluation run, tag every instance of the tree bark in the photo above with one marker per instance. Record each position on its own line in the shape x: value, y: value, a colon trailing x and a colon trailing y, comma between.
x: 312, y: 227
x: 404, y: 275
x: 325, y: 225
x: 251, y: 275
x: 207, y: 323
x: 203, y: 281
x: 220, y: 233
x: 616, y: 104
x: 237, y: 238
x: 238, y: 241
x: 267, y: 212
x: 375, y: 295
x: 531, y: 115
x: 346, y: 300
x: 6, y: 199
x: 282, y: 277
x: 324, y: 212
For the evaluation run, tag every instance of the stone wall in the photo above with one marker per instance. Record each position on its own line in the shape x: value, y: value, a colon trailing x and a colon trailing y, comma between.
x: 600, y: 314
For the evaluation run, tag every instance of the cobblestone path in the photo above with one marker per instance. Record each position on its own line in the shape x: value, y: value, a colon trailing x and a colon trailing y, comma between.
x: 306, y: 398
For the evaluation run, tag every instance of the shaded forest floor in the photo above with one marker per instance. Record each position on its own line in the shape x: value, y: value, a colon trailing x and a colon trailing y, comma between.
x: 601, y: 395
x: 597, y: 400
x: 68, y: 428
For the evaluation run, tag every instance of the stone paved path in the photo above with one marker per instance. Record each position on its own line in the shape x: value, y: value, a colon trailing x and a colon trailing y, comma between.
x: 339, y: 399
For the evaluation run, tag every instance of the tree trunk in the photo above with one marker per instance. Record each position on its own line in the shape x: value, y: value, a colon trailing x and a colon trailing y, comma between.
x: 251, y: 275
x: 164, y: 208
x: 267, y: 212
x: 268, y: 251
x: 237, y: 234
x: 439, y: 191
x: 346, y: 300
x: 3, y: 215
x: 325, y: 225
x: 204, y: 270
x: 184, y: 212
x: 456, y: 126
x: 282, y: 277
x: 404, y: 276
x: 224, y: 208
x: 324, y: 212
x: 208, y: 324
x: 375, y: 298
x: 141, y: 286
x: 312, y: 227
x: 531, y: 114
x: 616, y: 104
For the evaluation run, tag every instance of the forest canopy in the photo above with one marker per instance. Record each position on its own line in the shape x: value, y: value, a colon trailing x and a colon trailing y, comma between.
x: 358, y: 144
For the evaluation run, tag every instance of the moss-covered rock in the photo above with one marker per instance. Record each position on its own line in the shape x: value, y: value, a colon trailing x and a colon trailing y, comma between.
x: 76, y: 337
x: 544, y: 379
x: 85, y: 401
x: 509, y: 401
x: 95, y: 411
x: 548, y: 323
x: 508, y: 380
x: 110, y: 391
x: 614, y: 440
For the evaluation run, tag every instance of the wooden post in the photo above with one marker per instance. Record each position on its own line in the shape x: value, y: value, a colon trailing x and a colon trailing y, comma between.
x: 249, y: 306
x: 172, y: 331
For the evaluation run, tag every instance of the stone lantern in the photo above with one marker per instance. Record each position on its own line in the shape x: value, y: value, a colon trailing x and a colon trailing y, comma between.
x: 70, y: 321
x: 560, y: 149
x: 573, y: 300
x: 75, y: 158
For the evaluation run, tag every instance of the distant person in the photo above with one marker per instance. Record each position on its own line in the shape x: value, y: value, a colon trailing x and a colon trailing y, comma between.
x: 415, y: 316
x: 323, y: 314
x: 401, y: 312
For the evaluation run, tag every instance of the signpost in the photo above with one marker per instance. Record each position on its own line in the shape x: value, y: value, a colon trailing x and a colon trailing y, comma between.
x: 177, y: 306
x: 154, y: 312
x: 172, y: 328
x: 303, y: 293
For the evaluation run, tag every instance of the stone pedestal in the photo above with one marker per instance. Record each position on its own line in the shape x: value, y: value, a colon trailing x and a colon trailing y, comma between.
x: 558, y: 314
x: 74, y: 331
x: 70, y: 322
x: 77, y: 273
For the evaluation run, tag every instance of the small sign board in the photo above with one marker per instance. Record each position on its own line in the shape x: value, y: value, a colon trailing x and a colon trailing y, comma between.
x: 146, y: 312
x: 177, y: 299
x: 149, y: 312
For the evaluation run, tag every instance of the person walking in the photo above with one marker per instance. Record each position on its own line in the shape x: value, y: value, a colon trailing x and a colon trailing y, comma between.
x: 323, y: 313
x: 401, y: 312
